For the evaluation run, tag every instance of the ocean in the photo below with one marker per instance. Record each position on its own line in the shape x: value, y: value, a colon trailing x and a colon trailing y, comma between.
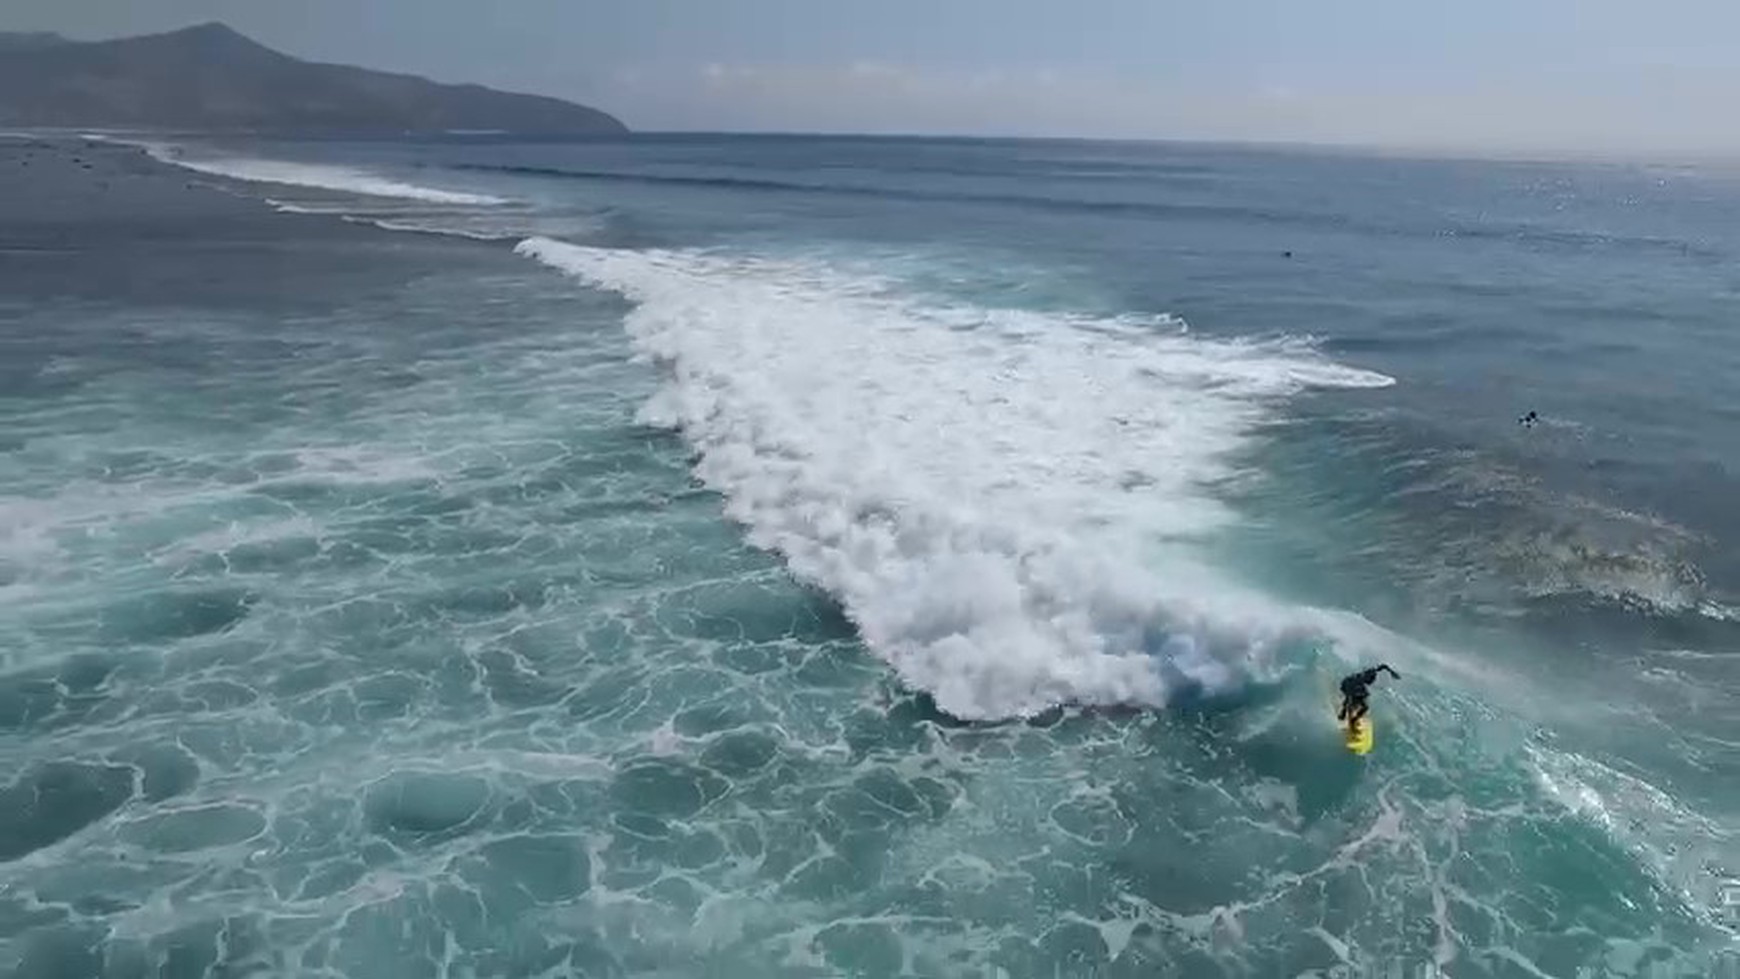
x: 806, y: 556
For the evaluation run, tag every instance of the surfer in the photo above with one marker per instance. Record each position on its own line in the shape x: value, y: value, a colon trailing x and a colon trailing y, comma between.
x: 1529, y: 420
x: 1355, y: 688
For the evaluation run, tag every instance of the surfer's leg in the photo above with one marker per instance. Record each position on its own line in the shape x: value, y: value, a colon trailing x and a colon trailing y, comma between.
x: 1356, y: 712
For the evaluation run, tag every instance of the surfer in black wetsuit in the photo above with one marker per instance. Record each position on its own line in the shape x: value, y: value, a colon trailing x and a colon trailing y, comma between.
x: 1355, y: 688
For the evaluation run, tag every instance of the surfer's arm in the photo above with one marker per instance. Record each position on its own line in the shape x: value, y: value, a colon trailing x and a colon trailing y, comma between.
x: 1386, y: 668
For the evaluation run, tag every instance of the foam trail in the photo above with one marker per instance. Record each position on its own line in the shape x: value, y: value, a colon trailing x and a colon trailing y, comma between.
x: 320, y: 176
x: 1002, y: 500
x: 409, y: 227
x: 343, y: 213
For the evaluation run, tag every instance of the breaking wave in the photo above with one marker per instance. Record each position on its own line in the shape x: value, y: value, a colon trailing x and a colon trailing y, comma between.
x: 1004, y: 501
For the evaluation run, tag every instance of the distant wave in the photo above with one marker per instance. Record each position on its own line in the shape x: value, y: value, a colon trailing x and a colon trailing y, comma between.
x: 859, y: 190
x: 345, y: 214
x: 1530, y: 233
x: 321, y: 176
x: 430, y: 229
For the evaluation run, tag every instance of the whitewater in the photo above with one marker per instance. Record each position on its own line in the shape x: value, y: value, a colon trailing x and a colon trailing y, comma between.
x: 1015, y: 535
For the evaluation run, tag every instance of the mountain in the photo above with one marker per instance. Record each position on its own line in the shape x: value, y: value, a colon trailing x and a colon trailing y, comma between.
x: 211, y: 78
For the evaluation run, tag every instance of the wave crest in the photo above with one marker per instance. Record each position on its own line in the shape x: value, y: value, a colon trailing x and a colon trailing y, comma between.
x: 321, y: 176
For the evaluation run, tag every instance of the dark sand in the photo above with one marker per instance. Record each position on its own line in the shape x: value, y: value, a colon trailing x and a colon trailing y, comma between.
x: 84, y: 218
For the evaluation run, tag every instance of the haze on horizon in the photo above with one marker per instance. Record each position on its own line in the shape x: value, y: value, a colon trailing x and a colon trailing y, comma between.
x: 1601, y: 76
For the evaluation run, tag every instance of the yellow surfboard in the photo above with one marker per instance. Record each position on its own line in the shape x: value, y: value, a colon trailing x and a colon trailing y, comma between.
x: 1358, y: 739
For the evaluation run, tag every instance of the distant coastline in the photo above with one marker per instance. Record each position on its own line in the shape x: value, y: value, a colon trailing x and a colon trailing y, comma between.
x: 210, y: 78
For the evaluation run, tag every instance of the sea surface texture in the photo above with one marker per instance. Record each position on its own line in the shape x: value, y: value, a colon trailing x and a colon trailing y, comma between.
x: 798, y: 557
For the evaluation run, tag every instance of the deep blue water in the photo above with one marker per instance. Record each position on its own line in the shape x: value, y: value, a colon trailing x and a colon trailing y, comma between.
x: 799, y: 556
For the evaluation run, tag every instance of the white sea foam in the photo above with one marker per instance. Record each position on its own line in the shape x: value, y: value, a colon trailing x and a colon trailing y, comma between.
x: 448, y: 230
x: 1677, y: 844
x: 1004, y: 501
x: 322, y: 176
x: 343, y: 213
x: 285, y: 207
x: 240, y: 534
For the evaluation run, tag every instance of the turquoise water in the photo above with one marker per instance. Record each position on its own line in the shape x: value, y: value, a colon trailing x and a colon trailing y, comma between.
x: 767, y: 557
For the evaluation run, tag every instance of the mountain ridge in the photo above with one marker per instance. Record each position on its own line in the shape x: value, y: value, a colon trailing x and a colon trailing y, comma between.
x: 210, y: 77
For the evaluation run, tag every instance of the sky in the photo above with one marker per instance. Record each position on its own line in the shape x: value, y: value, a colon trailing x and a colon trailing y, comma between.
x: 1503, y: 75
